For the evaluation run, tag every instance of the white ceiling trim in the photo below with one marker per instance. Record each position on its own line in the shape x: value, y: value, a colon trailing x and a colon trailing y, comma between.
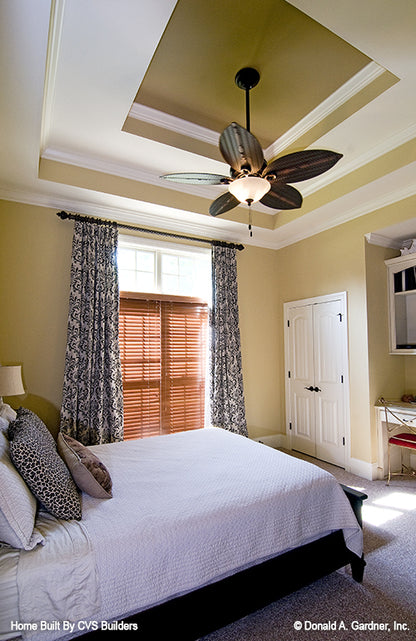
x: 378, y: 239
x: 343, y: 167
x: 52, y: 57
x: 122, y: 171
x: 173, y: 123
x: 151, y: 215
x: 315, y: 222
x: 136, y: 214
x: 347, y: 91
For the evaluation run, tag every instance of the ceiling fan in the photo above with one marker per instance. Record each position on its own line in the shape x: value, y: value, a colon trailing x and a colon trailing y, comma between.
x: 251, y: 178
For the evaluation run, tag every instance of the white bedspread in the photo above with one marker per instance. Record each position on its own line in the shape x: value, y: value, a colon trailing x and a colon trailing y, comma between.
x: 194, y: 507
x: 53, y: 582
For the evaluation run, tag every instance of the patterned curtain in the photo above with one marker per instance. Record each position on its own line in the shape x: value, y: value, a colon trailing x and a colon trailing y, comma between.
x: 92, y: 403
x: 226, y: 390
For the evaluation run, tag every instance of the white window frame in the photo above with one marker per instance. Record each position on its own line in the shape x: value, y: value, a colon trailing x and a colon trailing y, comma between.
x: 161, y: 247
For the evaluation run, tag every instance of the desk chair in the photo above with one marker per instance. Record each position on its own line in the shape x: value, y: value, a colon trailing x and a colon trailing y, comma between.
x: 405, y: 440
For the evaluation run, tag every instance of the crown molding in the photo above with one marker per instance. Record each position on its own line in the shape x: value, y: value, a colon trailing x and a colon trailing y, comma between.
x: 136, y: 214
x: 311, y: 222
x: 348, y: 90
x: 344, y: 167
x: 382, y: 241
x: 173, y: 123
x: 117, y: 169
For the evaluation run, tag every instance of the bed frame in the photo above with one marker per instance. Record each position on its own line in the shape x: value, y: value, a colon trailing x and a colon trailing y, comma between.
x: 202, y: 611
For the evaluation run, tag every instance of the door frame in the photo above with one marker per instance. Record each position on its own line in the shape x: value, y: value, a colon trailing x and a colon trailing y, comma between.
x: 342, y: 297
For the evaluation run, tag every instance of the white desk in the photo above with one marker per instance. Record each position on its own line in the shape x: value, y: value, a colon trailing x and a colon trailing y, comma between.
x: 404, y: 411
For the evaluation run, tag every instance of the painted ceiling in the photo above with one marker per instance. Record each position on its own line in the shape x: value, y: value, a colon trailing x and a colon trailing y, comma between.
x: 99, y: 99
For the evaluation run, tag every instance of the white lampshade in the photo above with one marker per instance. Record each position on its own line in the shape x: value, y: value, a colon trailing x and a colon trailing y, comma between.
x: 11, y: 380
x: 249, y: 188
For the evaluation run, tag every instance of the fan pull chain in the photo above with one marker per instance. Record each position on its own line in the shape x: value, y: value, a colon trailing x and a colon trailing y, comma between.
x: 249, y: 201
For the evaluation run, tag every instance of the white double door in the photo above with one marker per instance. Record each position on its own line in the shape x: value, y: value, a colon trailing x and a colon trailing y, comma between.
x: 316, y: 377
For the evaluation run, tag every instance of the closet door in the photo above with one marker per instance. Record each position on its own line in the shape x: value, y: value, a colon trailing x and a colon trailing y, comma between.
x: 316, y: 379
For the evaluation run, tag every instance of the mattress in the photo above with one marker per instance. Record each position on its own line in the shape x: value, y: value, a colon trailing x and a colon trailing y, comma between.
x: 188, y: 509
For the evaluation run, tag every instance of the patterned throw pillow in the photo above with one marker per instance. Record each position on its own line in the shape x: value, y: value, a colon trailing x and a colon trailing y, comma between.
x: 33, y: 451
x: 88, y: 472
x: 17, y: 505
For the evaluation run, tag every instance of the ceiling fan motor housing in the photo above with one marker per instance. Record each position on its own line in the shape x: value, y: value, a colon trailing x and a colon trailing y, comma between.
x: 247, y: 78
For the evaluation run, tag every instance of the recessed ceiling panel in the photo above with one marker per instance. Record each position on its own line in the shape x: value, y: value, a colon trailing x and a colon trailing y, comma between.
x: 191, y: 75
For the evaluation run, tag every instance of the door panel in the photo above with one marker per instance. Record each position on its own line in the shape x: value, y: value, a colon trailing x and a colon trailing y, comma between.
x: 301, y: 376
x: 327, y: 419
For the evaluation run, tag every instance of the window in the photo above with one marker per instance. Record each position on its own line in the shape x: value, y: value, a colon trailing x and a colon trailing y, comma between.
x: 164, y: 268
x: 163, y: 337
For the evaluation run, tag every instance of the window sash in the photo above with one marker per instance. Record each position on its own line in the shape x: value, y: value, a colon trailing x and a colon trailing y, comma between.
x: 163, y: 344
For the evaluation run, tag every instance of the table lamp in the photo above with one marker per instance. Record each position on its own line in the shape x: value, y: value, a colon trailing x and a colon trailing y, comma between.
x: 10, y: 385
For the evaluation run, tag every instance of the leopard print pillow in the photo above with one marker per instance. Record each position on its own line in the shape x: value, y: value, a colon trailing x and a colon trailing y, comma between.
x: 33, y: 452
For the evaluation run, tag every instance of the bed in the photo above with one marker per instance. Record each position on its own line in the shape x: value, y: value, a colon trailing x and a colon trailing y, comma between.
x: 202, y: 528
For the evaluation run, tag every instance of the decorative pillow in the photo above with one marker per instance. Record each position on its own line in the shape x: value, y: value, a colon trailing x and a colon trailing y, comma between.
x: 33, y: 451
x: 88, y: 472
x: 17, y: 505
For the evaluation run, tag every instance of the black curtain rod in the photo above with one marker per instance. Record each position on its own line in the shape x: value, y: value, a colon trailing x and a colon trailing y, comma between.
x: 100, y: 221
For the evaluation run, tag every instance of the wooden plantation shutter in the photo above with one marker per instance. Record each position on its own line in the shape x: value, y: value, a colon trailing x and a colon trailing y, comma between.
x: 163, y: 357
x: 140, y: 354
x: 183, y: 358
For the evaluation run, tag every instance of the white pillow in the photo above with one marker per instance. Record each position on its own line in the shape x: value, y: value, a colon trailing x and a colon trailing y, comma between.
x: 17, y: 505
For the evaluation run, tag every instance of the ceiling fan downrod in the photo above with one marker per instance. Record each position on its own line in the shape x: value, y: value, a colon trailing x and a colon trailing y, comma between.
x: 246, y: 79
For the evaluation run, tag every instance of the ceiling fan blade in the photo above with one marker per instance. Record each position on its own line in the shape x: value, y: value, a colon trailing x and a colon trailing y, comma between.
x: 282, y: 196
x: 198, y: 179
x: 302, y: 165
x: 223, y: 203
x: 240, y: 149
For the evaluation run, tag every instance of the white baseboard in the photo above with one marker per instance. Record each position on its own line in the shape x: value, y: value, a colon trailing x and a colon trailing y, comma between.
x: 367, y: 471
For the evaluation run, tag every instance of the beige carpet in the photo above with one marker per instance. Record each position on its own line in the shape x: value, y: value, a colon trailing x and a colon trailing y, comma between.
x: 338, y: 608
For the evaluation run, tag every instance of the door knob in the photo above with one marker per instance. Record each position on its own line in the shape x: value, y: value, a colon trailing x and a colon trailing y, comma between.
x: 316, y: 389
x: 310, y: 388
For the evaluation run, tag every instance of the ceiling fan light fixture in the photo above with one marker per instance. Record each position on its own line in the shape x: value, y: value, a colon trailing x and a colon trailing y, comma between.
x: 249, y: 189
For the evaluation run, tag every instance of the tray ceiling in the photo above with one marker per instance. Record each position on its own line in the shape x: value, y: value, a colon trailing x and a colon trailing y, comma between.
x: 103, y: 98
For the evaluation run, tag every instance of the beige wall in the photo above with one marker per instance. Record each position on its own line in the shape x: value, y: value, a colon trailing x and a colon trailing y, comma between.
x: 259, y: 322
x: 35, y: 249
x: 35, y: 253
